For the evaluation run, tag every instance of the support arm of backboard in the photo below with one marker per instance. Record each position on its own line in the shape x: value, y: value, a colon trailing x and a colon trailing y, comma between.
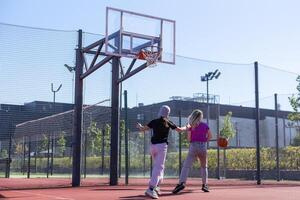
x: 130, y: 66
x: 84, y: 61
x: 133, y: 72
x: 97, y: 66
x: 113, y: 47
x: 121, y: 68
x: 91, y: 46
x: 94, y: 52
x: 96, y: 55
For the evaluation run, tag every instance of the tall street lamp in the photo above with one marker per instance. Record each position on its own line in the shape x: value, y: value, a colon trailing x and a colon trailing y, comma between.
x: 54, y: 92
x: 71, y: 70
x: 207, y: 77
x: 52, y: 142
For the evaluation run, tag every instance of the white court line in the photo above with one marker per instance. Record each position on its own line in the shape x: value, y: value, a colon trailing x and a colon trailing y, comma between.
x: 44, y: 195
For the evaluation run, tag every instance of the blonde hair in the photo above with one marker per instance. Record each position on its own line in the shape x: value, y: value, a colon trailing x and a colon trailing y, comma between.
x: 195, y: 118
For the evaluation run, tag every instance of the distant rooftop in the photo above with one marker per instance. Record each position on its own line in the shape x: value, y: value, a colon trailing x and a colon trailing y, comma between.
x: 199, y: 97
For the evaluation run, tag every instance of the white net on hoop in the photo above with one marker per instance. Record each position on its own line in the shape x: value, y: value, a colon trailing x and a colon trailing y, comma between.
x: 151, y: 55
x: 152, y: 58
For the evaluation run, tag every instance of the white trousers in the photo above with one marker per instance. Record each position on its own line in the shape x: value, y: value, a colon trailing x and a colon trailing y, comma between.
x: 158, y: 153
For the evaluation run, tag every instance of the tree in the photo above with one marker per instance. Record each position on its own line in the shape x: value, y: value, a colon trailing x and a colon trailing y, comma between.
x: 295, y: 115
x: 227, y: 131
x: 296, y: 140
x: 184, y: 140
x: 94, y: 137
x: 19, y: 150
x: 61, y: 144
x: 3, y: 153
x: 107, y: 132
x: 18, y: 153
x: 44, y: 143
x: 122, y: 136
x: 97, y: 140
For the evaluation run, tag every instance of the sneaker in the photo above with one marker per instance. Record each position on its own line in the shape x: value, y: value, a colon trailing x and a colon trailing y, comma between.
x: 205, y: 188
x: 157, y: 190
x: 178, y: 188
x: 151, y: 193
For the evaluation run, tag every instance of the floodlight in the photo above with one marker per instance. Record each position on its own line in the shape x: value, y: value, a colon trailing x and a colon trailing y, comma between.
x: 69, y: 68
x: 215, y: 72
x: 218, y: 74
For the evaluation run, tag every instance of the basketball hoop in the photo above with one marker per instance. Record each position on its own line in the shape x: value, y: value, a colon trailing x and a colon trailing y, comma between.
x: 150, y: 55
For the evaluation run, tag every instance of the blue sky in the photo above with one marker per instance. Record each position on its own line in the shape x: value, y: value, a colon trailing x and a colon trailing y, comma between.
x: 230, y: 31
x: 234, y: 31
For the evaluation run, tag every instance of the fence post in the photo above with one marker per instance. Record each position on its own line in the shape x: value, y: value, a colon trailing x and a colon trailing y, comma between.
x: 150, y: 135
x: 284, y: 132
x: 126, y: 137
x: 29, y: 157
x: 218, y: 135
x: 85, y: 153
x: 103, y: 151
x: 7, y: 175
x: 180, y: 144
x: 115, y: 119
x: 257, y: 114
x: 48, y: 155
x: 77, y: 125
x: 120, y: 155
x: 35, y: 153
x: 277, y: 142
x: 224, y: 163
x: 52, y: 153
x: 144, y: 150
x: 24, y: 152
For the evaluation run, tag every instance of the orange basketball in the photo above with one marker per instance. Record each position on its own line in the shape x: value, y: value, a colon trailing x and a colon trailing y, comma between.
x: 222, y: 142
x: 142, y: 55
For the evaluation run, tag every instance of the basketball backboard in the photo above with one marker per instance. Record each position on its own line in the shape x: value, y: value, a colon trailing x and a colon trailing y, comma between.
x: 127, y: 33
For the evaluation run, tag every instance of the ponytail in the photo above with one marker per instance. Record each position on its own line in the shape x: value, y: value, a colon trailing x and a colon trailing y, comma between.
x: 195, y: 118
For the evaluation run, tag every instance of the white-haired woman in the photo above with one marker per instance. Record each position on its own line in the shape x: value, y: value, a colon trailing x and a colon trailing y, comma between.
x: 198, y: 135
x: 158, y: 149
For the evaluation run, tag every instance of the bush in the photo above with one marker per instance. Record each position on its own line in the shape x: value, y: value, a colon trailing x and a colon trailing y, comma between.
x: 296, y: 140
x: 236, y: 159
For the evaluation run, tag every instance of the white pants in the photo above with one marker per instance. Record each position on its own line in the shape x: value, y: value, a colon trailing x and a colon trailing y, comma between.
x: 158, y: 153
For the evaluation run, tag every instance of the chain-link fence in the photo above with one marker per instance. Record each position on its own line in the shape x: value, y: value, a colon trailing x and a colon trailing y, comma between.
x: 36, y: 123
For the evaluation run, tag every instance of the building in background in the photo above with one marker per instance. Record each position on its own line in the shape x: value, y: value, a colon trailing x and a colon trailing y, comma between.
x: 37, y: 118
x: 11, y: 115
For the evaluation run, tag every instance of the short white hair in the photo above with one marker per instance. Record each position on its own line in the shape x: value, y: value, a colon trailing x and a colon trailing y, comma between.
x: 164, y: 111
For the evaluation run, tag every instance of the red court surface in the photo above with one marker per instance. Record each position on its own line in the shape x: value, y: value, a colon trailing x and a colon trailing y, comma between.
x: 91, y: 189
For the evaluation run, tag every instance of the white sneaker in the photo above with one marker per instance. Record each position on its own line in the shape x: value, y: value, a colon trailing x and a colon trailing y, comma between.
x: 151, y: 193
x: 157, y: 190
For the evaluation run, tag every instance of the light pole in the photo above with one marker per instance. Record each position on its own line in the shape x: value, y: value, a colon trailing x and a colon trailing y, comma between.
x: 52, y: 141
x: 54, y: 92
x: 208, y: 77
x: 71, y: 70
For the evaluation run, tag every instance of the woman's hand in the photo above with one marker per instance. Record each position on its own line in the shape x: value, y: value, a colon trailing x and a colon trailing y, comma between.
x: 139, y: 126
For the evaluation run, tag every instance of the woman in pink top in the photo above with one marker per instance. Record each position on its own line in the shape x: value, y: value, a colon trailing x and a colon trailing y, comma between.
x: 198, y: 136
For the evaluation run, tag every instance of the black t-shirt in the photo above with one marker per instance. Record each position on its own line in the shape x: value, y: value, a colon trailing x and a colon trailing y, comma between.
x: 161, y: 129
